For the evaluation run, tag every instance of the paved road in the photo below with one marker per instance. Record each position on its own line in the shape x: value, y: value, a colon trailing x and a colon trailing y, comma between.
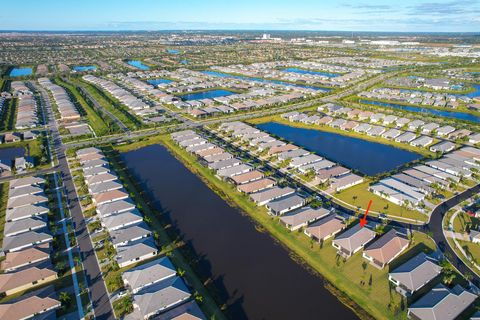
x: 102, y: 307
x: 435, y: 225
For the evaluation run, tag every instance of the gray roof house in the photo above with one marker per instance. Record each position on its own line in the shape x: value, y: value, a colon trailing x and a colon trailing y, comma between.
x: 444, y: 146
x: 189, y: 310
x: 414, y: 274
x: 406, y: 137
x: 263, y: 197
x: 23, y: 182
x: 302, y: 217
x: 233, y: 171
x: 160, y: 297
x: 441, y: 303
x: 353, y: 240
x: 24, y: 191
x: 104, y: 187
x: 26, y: 212
x: 224, y: 164
x: 285, y: 204
x: 26, y: 200
x: 13, y: 228
x: 25, y: 240
x: 422, y: 141
x: 135, y: 252
x: 107, y: 209
x: 148, y: 274
x: 124, y: 236
x: 122, y: 220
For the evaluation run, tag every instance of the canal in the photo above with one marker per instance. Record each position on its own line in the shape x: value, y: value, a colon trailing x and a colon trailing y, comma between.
x: 254, y: 275
x: 369, y: 158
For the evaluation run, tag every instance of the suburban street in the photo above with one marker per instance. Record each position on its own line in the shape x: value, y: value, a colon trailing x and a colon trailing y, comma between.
x: 102, y: 307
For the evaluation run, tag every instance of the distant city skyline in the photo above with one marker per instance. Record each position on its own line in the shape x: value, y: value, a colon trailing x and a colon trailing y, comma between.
x: 371, y: 15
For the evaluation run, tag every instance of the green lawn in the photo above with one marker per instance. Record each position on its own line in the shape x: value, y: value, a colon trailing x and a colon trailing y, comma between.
x: 99, y: 125
x: 3, y: 208
x: 378, y: 300
x: 379, y: 204
x: 122, y: 306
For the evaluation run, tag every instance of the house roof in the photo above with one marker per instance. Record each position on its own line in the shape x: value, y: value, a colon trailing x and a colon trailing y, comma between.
x: 20, y: 226
x: 160, y: 296
x: 13, y: 280
x: 387, y: 246
x: 417, y: 271
x: 303, y: 215
x: 187, y: 311
x: 129, y: 233
x: 26, y: 211
x: 20, y: 258
x: 120, y: 219
x: 246, y: 177
x: 135, y: 250
x: 354, y: 237
x: 115, y: 207
x: 27, y: 308
x: 110, y: 196
x: 285, y: 203
x: 256, y: 185
x: 26, y: 200
x: 149, y: 273
x: 25, y: 239
x: 272, y: 193
x: 326, y: 226
x: 442, y: 303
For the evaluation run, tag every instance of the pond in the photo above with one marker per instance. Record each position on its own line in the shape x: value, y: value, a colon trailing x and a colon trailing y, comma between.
x: 226, y: 75
x: 173, y: 51
x: 446, y: 114
x: 84, y: 68
x: 156, y: 82
x: 254, y: 275
x: 304, y: 71
x: 20, y: 72
x: 369, y: 158
x: 210, y: 94
x: 138, y: 64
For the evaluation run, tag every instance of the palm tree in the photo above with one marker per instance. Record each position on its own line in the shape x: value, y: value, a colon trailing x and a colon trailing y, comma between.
x: 64, y: 298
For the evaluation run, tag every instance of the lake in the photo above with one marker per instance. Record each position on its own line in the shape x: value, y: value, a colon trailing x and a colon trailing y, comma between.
x: 253, y: 274
x: 210, y: 94
x: 84, y: 68
x: 173, y: 51
x: 7, y: 155
x: 20, y: 72
x: 369, y: 158
x: 226, y: 75
x: 138, y: 64
x: 435, y: 112
x: 156, y: 82
x: 304, y: 71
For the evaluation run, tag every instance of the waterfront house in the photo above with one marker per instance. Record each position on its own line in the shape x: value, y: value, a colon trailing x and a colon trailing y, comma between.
x: 109, y: 208
x: 148, y: 274
x: 325, y: 228
x: 129, y: 234
x: 406, y: 137
x: 421, y: 141
x: 263, y: 197
x: 189, y: 310
x: 302, y: 217
x: 122, y: 220
x: 441, y: 303
x: 136, y: 252
x: 443, y: 147
x: 386, y: 248
x: 414, y: 274
x: 247, y: 177
x: 233, y: 171
x: 391, y: 134
x: 256, y: 185
x: 353, y: 240
x: 160, y: 297
x: 285, y: 204
x: 109, y: 196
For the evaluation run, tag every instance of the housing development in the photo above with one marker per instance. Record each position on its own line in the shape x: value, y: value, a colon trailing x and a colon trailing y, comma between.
x: 239, y: 175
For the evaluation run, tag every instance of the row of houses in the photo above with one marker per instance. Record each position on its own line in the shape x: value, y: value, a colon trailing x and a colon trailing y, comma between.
x: 26, y: 106
x: 27, y: 247
x: 325, y: 171
x: 416, y: 97
x: 66, y: 108
x: 413, y: 185
x: 321, y: 224
x: 155, y: 286
x: 136, y: 105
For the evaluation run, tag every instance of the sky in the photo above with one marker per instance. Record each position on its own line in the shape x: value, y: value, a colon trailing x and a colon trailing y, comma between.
x: 335, y: 15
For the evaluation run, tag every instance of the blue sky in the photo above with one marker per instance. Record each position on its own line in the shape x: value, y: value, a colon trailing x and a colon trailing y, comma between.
x: 369, y: 15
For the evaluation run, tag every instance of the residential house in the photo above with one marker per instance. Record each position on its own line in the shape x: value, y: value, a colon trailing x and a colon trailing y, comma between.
x: 353, y: 240
x: 386, y: 248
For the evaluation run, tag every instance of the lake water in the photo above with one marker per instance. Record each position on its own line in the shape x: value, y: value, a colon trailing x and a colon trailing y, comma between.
x: 7, y: 155
x: 84, y: 68
x: 435, y: 112
x: 253, y: 274
x: 20, y: 72
x: 173, y: 51
x: 367, y: 157
x: 138, y: 64
x: 210, y: 94
x: 304, y: 71
x: 226, y: 75
x: 156, y: 82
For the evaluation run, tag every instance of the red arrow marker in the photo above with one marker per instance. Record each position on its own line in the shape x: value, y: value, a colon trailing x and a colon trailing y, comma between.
x: 363, y: 220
